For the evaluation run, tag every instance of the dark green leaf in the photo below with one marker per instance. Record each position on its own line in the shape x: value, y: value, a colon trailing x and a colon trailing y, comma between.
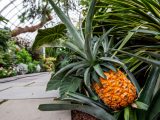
x: 87, y: 77
x: 125, y: 40
x: 50, y: 36
x: 73, y: 31
x: 141, y: 105
x: 83, y: 65
x: 154, y: 108
x: 84, y: 99
x: 69, y: 84
x: 153, y: 54
x: 96, y: 78
x: 75, y: 49
x: 147, y: 31
x: 148, y: 90
x: 55, y: 82
x: 67, y: 67
x: 99, y: 113
x: 99, y: 71
x: 109, y: 66
x: 149, y: 61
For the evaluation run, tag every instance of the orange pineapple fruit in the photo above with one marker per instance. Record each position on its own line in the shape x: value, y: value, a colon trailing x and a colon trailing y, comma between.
x: 116, y: 90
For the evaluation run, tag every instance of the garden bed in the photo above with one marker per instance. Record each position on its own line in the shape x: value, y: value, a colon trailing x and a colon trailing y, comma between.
x: 78, y: 115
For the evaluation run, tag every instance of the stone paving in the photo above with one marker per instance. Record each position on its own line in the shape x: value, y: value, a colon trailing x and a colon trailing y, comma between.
x: 24, y: 95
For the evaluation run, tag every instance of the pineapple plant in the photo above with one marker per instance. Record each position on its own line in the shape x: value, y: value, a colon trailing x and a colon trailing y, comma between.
x: 104, y: 81
x: 116, y: 90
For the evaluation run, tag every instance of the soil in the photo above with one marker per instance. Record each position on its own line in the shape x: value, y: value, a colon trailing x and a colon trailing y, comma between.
x: 78, y: 115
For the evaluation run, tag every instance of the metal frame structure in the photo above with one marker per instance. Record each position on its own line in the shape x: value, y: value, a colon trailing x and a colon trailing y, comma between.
x: 12, y: 15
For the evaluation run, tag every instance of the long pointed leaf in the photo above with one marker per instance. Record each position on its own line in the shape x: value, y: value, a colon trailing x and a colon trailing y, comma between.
x: 67, y: 67
x: 148, y: 90
x: 110, y: 66
x: 99, y: 113
x: 149, y: 61
x: 75, y: 48
x: 126, y: 113
x: 88, y: 29
x: 125, y: 40
x: 87, y: 77
x: 99, y: 71
x: 73, y: 31
x: 76, y: 68
x: 88, y: 100
x: 96, y: 78
x: 154, y: 107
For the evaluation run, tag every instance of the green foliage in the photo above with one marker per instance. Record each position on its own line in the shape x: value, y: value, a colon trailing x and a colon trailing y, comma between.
x: 92, y: 54
x: 32, y: 67
x: 7, y: 72
x: 92, y: 108
x: 12, y: 56
x: 50, y: 36
x: 48, y: 64
x: 23, y: 56
x: 3, y: 19
x: 4, y: 38
x: 34, y: 10
x: 7, y: 57
x: 127, y: 14
x: 67, y: 84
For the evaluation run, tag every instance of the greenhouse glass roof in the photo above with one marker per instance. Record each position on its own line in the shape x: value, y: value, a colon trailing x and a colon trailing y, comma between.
x: 13, y: 9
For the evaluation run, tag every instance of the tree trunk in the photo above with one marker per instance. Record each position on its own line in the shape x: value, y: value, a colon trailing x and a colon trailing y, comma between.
x: 26, y: 29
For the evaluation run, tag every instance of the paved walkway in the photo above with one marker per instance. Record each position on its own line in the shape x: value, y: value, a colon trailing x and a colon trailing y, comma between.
x: 24, y: 95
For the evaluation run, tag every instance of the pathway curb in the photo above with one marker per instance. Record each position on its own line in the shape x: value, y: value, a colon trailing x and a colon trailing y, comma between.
x: 9, y: 79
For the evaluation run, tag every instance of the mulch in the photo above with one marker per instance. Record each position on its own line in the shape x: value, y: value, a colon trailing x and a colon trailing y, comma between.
x: 78, y: 115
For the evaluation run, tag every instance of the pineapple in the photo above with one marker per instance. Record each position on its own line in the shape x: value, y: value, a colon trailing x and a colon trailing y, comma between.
x: 116, y: 91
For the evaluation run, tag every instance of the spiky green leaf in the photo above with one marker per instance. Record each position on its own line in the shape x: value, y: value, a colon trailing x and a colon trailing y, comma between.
x: 99, y: 113
x: 87, y: 77
x: 154, y: 110
x: 69, y: 84
x: 148, y: 90
x: 73, y: 31
x: 126, y: 113
x: 99, y: 71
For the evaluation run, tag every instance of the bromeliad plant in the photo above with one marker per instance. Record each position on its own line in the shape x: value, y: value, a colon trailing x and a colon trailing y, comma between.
x: 104, y: 84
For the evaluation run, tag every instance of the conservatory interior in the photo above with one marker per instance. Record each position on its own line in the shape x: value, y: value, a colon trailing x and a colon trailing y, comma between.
x: 80, y: 59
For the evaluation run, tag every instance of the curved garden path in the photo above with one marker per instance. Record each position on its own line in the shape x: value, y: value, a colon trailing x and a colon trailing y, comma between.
x: 20, y: 97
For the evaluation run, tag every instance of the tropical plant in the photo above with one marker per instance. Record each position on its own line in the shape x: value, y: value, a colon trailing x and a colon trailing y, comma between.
x: 95, y: 59
x: 126, y: 16
x: 23, y: 56
x: 50, y: 36
x: 49, y: 64
x: 4, y: 38
x: 7, y: 72
x: 32, y: 67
